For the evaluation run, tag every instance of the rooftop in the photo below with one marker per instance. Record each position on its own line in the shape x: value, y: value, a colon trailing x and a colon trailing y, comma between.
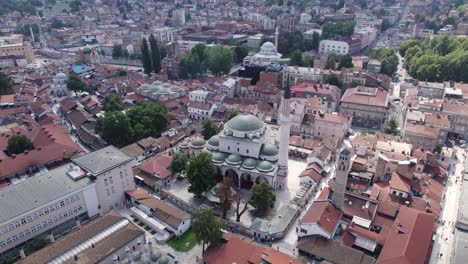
x: 102, y: 160
x: 39, y: 190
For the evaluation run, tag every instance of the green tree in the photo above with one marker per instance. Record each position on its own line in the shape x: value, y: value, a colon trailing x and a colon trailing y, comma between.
x: 117, y: 51
x: 408, y: 44
x: 114, y: 128
x: 200, y: 173
x: 18, y: 144
x: 155, y: 56
x: 387, y: 57
x: 207, y: 227
x: 209, y: 129
x: 308, y: 61
x: 5, y: 85
x: 57, y: 23
x: 113, y: 103
x: 146, y: 57
x: 231, y: 113
x: 262, y: 197
x: 121, y: 72
x: 148, y: 119
x: 190, y: 66
x: 315, y: 40
x: 75, y: 83
x: 346, y: 62
x: 200, y: 51
x: 391, y: 127
x: 342, y: 28
x: 179, y: 162
x: 241, y: 52
x: 296, y: 58
x: 331, y: 62
x: 219, y: 60
x: 333, y: 79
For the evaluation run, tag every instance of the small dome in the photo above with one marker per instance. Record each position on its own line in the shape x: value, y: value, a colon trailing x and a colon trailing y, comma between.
x: 163, y: 260
x: 60, y: 76
x: 175, y: 88
x: 163, y: 90
x: 249, y: 163
x: 136, y: 256
x: 166, y: 85
x: 245, y: 123
x: 214, y: 141
x: 198, y: 143
x: 234, y: 159
x: 269, y: 150
x: 157, y: 83
x: 265, y: 166
x: 218, y: 157
x: 184, y: 145
x: 155, y: 255
x: 268, y: 47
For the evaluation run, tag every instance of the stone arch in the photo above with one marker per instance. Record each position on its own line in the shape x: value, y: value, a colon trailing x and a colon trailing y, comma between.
x: 230, y: 173
x: 260, y: 178
x: 246, y: 181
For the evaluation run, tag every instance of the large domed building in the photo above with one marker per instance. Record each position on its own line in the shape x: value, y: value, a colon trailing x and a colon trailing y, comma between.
x: 265, y: 57
x: 58, y: 88
x: 242, y: 152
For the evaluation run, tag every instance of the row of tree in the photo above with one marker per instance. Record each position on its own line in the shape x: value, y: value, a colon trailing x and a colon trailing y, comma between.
x: 442, y: 58
x: 150, y: 55
x: 338, y: 29
x: 143, y: 120
x: 218, y: 60
x: 387, y: 58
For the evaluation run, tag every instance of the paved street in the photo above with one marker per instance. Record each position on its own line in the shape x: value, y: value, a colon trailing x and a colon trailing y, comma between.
x: 445, y: 233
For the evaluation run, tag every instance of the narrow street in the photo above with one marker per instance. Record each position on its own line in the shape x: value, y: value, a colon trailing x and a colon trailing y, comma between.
x: 444, y: 242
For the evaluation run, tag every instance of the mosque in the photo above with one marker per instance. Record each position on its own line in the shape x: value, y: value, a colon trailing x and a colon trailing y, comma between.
x: 243, y: 150
x: 265, y: 57
x: 58, y: 88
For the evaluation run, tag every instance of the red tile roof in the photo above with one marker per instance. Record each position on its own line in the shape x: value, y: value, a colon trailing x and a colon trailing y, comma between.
x: 323, y: 213
x: 360, y: 95
x: 157, y: 166
x: 409, y: 239
x: 311, y: 173
x: 239, y: 249
x: 400, y: 183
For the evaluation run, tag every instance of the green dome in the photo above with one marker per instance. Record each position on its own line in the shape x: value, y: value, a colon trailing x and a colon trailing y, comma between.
x: 163, y: 260
x: 198, y: 143
x: 234, y: 159
x: 269, y: 150
x: 249, y: 163
x: 245, y: 123
x: 218, y: 157
x: 265, y: 166
x: 155, y: 256
x: 214, y: 141
x: 157, y: 83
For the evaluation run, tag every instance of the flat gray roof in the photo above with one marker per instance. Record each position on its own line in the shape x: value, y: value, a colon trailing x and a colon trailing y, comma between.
x: 39, y: 190
x: 461, y: 242
x: 102, y: 160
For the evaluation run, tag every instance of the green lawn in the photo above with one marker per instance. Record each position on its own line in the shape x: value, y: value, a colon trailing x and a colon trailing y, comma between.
x: 179, y: 243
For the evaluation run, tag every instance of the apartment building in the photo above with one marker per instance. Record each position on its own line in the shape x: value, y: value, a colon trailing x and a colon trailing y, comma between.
x: 15, y: 46
x: 53, y: 202
x: 111, y: 170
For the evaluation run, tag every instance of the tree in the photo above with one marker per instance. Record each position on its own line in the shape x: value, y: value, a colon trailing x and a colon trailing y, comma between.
x: 232, y: 113
x: 56, y: 23
x: 18, y: 144
x: 178, y: 163
x: 114, y: 128
x: 207, y: 227
x: 408, y: 44
x: 296, y: 58
x: 155, y: 56
x: 346, y: 62
x: 75, y: 83
x: 200, y: 173
x: 209, y: 129
x: 219, y: 60
x: 387, y: 57
x: 113, y: 103
x: 121, y: 72
x: 391, y: 127
x: 238, y: 203
x: 146, y: 57
x: 333, y: 79
x: 315, y: 40
x: 241, y: 52
x: 331, y: 62
x: 148, y: 119
x: 308, y: 61
x: 117, y: 51
x: 262, y: 196
x: 342, y: 28
x: 5, y: 85
x: 226, y: 195
x: 190, y: 66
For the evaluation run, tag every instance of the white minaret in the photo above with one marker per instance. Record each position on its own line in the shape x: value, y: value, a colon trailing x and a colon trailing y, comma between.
x: 276, y: 39
x: 285, y: 131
